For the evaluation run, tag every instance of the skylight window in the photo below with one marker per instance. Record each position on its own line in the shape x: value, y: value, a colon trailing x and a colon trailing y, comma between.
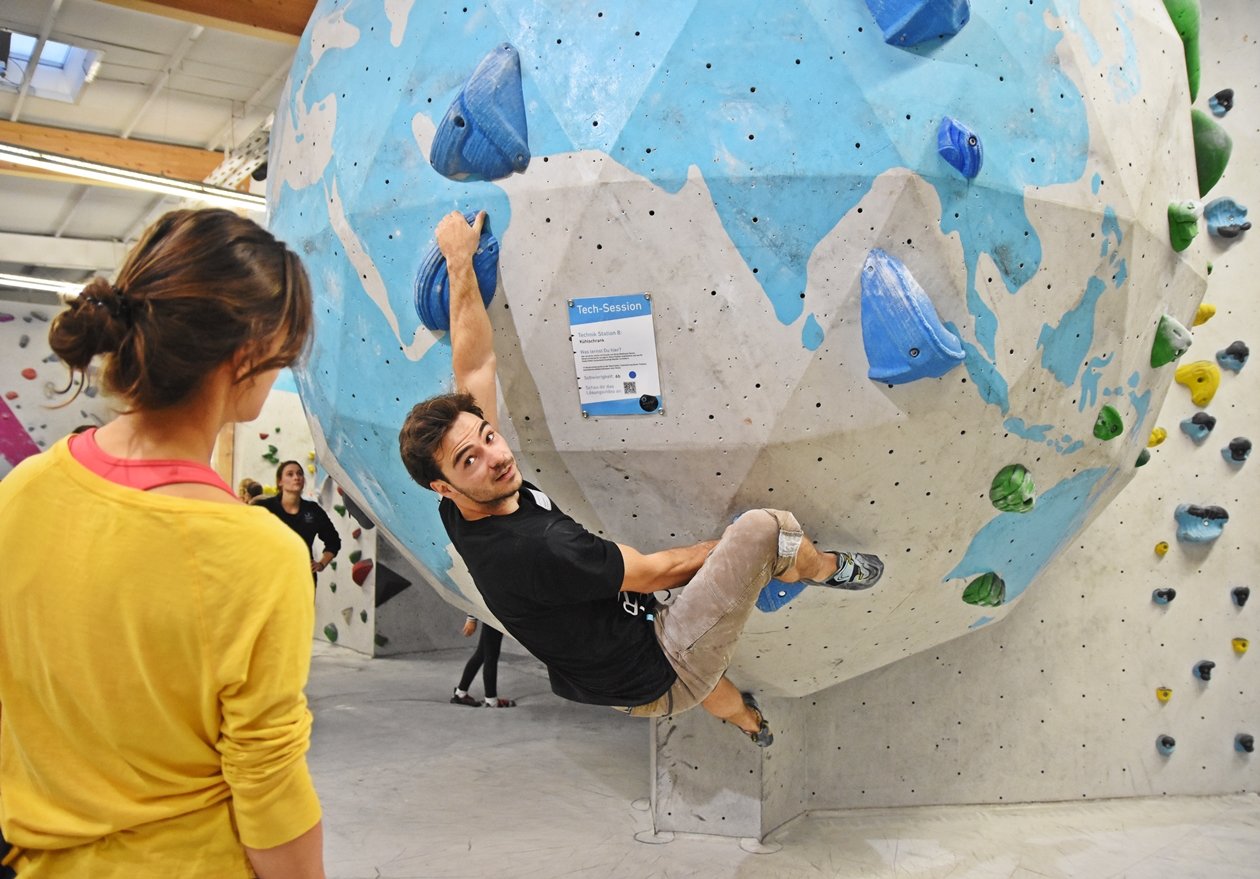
x: 61, y: 73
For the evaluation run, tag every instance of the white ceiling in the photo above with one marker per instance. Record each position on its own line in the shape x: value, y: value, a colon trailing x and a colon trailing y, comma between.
x: 189, y: 81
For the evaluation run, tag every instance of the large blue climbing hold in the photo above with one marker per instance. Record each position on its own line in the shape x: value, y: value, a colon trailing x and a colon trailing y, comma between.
x: 960, y: 146
x: 1226, y: 218
x: 433, y: 286
x: 903, y: 337
x: 910, y: 22
x: 776, y: 595
x: 484, y: 135
x: 1199, y: 524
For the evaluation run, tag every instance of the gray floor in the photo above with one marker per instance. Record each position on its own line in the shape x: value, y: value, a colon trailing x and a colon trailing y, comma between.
x: 413, y: 786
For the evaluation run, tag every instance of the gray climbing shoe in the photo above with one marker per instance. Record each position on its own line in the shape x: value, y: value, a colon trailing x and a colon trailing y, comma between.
x: 762, y: 738
x: 858, y: 570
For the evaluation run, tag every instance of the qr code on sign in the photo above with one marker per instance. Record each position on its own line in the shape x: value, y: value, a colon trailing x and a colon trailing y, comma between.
x: 629, y: 387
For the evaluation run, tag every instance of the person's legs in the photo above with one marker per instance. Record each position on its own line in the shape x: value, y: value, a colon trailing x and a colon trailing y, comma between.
x: 699, y: 630
x: 489, y: 646
x: 470, y: 671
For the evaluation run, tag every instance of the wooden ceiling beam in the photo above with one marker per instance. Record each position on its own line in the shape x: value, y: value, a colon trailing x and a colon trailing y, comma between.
x: 164, y: 160
x: 282, y: 20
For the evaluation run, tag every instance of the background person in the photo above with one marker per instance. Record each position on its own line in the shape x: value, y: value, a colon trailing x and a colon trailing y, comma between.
x: 304, y: 516
x: 486, y: 660
x: 152, y: 716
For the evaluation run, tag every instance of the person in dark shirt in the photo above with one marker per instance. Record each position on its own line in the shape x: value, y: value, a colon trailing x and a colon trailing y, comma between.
x: 570, y: 597
x: 305, y: 517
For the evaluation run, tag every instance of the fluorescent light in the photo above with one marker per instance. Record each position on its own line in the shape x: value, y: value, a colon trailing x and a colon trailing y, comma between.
x: 25, y: 282
x: 214, y: 195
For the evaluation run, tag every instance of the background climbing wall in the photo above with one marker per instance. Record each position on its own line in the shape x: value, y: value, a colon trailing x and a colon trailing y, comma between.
x: 344, y: 609
x: 739, y: 162
x: 1059, y: 701
x: 31, y: 417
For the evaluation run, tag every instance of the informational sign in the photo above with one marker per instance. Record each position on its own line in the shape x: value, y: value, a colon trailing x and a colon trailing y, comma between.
x: 614, y: 351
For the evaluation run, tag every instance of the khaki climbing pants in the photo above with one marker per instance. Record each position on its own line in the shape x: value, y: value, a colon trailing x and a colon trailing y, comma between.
x: 699, y: 630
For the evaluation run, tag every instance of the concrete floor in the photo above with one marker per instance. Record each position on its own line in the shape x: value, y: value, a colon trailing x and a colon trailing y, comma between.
x: 413, y: 786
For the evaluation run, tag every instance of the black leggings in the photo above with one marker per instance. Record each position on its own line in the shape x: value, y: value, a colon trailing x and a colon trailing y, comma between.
x: 488, y: 653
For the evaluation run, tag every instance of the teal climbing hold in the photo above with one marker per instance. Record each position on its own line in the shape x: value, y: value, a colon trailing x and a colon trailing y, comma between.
x: 903, y: 336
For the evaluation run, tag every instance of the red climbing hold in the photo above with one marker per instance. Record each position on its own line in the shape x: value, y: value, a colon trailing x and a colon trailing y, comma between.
x: 356, y: 533
x: 11, y: 395
x: 28, y: 373
x: 360, y: 571
x: 263, y: 435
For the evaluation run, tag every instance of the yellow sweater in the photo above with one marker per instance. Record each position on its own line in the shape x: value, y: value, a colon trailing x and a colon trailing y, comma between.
x: 153, y: 653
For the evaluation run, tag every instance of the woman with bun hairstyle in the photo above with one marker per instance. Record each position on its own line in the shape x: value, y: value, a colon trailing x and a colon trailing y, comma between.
x: 304, y: 516
x: 152, y: 719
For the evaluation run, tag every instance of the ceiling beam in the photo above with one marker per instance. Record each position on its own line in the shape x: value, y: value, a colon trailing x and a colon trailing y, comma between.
x: 44, y: 251
x: 282, y: 20
x: 164, y: 160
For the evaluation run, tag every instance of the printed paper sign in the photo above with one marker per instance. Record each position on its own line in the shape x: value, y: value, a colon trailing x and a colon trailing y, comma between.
x: 614, y: 351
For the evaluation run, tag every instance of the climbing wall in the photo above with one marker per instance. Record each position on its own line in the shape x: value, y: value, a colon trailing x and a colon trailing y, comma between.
x: 1072, y: 697
x: 905, y: 279
x: 31, y: 415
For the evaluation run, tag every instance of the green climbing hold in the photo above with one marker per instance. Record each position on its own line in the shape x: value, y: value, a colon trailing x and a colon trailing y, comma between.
x: 1143, y: 458
x: 1212, y: 146
x: 1172, y: 340
x: 341, y: 509
x: 1185, y: 18
x: 380, y: 640
x: 363, y: 616
x: 987, y: 590
x: 1183, y: 224
x: 1109, y: 424
x: 330, y: 632
x: 1012, y: 490
x: 355, y: 556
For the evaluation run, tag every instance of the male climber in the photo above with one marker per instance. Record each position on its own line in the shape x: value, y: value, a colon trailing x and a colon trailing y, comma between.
x: 557, y: 588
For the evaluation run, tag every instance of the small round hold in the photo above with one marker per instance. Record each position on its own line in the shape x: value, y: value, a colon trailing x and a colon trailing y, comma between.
x: 1161, y: 548
x: 1163, y: 596
x: 1241, y: 594
x: 1203, y: 671
x: 1237, y: 451
x: 1245, y: 742
x: 1221, y: 102
x: 1240, y: 645
x: 1163, y: 694
x: 648, y: 403
x: 1143, y: 458
x: 1165, y: 744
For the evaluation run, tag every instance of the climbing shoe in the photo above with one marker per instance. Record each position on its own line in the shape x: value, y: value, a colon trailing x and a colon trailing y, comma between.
x: 858, y: 570
x: 762, y: 738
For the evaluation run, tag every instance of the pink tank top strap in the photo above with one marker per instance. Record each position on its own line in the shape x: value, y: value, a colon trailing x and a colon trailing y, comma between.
x: 141, y: 474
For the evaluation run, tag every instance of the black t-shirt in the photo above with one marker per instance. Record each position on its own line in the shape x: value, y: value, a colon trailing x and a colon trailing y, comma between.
x: 557, y: 589
x: 309, y: 521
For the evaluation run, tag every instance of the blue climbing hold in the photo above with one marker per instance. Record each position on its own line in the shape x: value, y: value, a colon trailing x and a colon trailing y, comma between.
x: 776, y: 595
x: 1221, y: 102
x: 902, y: 334
x: 484, y: 135
x: 1196, y: 524
x: 960, y: 146
x: 1226, y: 218
x: 433, y: 288
x: 1165, y: 744
x: 1233, y: 358
x: 910, y: 22
x: 1198, y: 426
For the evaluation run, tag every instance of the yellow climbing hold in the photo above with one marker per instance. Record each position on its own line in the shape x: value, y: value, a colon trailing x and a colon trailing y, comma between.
x: 1205, y: 313
x: 1163, y: 694
x: 1202, y: 377
x: 311, y: 468
x: 1240, y: 645
x: 310, y: 456
x: 1161, y: 548
x: 1158, y: 435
